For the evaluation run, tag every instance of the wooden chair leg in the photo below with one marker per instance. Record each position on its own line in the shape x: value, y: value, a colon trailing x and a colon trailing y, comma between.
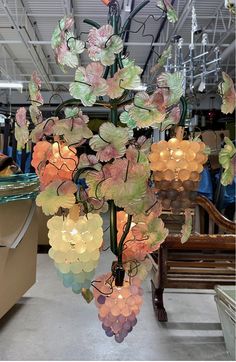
x: 158, y: 305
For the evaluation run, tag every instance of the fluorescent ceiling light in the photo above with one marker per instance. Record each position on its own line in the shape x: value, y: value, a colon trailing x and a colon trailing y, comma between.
x: 127, y: 6
x: 11, y: 85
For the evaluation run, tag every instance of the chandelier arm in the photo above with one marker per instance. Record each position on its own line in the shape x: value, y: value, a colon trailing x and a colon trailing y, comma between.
x: 183, y: 102
x: 132, y: 14
x: 71, y: 102
x: 92, y: 23
x: 122, y: 239
x: 113, y: 227
x: 114, y: 21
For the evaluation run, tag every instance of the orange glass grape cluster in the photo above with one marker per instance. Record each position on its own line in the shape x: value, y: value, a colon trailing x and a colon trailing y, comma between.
x: 54, y: 162
x: 118, y: 310
x: 177, y: 165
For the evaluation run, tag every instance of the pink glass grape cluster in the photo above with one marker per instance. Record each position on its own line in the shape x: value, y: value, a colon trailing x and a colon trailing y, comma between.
x: 118, y: 309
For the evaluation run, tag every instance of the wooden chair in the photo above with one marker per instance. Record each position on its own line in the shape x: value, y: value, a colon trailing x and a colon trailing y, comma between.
x: 204, y: 261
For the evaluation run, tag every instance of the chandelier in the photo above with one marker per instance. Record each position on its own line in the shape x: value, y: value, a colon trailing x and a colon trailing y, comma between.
x: 197, y: 66
x: 85, y: 174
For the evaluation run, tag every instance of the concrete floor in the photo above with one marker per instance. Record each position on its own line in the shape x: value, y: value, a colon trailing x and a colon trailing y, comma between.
x: 52, y: 323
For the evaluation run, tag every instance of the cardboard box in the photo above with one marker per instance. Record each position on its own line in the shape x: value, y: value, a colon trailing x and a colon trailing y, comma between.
x: 43, y: 229
x: 19, y: 234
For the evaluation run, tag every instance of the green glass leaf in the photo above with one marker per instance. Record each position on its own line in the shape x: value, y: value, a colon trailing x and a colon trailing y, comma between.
x: 166, y: 6
x: 187, y: 227
x: 71, y: 112
x: 82, y: 92
x: 111, y: 142
x: 175, y: 84
x: 228, y: 94
x: 143, y: 111
x: 162, y: 60
x: 126, y: 119
x: 70, y: 60
x: 21, y: 135
x: 226, y: 157
x: 76, y: 46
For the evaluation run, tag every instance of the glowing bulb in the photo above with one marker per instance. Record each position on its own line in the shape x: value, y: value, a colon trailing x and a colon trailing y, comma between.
x: 74, y: 232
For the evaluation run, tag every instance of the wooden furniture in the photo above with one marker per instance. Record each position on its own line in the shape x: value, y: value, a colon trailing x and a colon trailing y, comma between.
x: 202, y: 262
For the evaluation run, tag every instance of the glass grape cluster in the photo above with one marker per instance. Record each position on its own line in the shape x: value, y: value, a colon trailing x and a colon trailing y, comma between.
x: 54, y: 162
x: 75, y: 248
x: 177, y: 165
x: 118, y: 309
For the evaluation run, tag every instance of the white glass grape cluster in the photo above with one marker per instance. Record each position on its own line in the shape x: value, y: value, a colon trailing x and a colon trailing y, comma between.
x: 118, y: 310
x: 75, y: 248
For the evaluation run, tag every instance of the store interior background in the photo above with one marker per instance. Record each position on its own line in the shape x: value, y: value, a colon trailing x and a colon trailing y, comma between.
x: 50, y: 322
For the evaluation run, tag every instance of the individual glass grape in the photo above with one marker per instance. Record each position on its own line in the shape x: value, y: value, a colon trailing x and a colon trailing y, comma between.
x: 188, y: 185
x: 190, y: 155
x: 178, y: 154
x: 164, y: 185
x: 162, y: 145
x: 199, y: 169
x: 158, y: 176
x: 162, y: 195
x: 164, y: 155
x: 176, y: 204
x: 173, y: 143
x: 195, y: 186
x: 182, y: 164
x: 184, y: 175
x: 194, y: 176
x: 195, y: 146
x: 171, y: 164
x: 169, y: 175
x: 186, y: 203
x: 184, y: 145
x: 159, y: 166
x: 184, y: 194
x: 193, y: 166
x: 200, y: 158
x: 154, y: 157
x: 192, y: 195
x: 176, y: 184
x: 166, y: 204
x: 172, y: 194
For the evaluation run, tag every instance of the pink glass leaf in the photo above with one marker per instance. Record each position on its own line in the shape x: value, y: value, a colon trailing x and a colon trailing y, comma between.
x: 21, y: 116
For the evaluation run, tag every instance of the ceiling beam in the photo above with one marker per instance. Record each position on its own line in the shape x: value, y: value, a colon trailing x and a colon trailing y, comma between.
x: 27, y: 33
x: 96, y: 16
x: 48, y: 42
x: 8, y: 57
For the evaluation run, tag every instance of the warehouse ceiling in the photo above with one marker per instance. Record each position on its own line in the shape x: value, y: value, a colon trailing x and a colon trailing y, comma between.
x: 26, y: 27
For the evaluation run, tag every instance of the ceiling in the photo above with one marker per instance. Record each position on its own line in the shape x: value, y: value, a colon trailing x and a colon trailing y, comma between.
x: 26, y: 27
